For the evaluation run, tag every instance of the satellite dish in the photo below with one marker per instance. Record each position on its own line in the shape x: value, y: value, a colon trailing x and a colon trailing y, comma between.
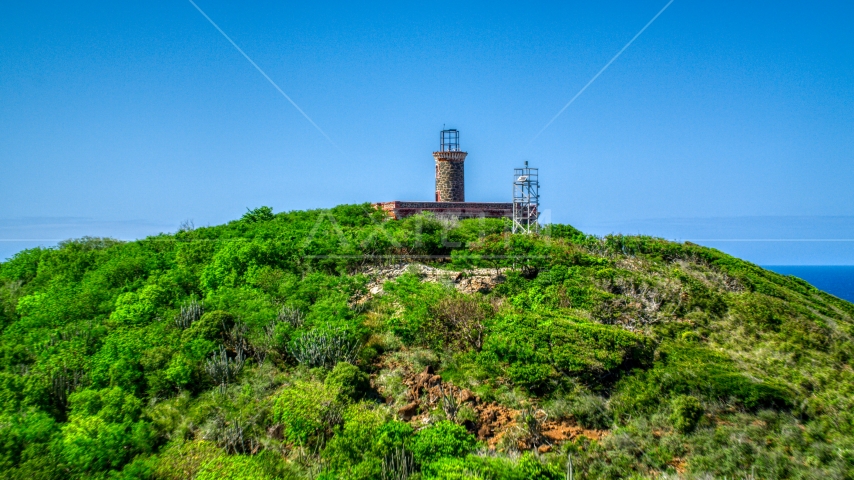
x: 523, y: 178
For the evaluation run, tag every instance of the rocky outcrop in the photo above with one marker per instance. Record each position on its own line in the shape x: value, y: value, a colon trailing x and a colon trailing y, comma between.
x: 473, y: 280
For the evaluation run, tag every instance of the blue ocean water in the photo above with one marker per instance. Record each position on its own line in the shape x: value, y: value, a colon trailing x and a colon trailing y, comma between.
x: 835, y: 280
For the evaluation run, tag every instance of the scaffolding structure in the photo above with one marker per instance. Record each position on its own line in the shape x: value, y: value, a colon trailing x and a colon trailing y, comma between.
x: 526, y: 199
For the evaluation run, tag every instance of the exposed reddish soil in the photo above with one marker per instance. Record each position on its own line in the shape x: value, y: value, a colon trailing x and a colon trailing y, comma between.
x: 426, y: 392
x: 679, y: 464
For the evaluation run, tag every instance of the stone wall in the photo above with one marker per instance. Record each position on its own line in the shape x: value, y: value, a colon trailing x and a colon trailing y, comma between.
x: 399, y: 209
x: 450, y: 176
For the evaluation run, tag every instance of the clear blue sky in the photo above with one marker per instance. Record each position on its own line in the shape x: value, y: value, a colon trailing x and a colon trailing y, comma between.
x: 126, y: 118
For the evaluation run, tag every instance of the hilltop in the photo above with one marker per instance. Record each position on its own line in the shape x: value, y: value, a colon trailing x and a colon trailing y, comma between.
x: 341, y: 344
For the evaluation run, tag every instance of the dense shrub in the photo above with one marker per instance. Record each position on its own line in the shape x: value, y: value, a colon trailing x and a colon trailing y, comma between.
x: 412, y: 324
x: 211, y: 326
x: 539, y: 351
x: 136, y: 308
x: 357, y: 450
x: 686, y: 412
x: 350, y: 382
x: 491, y: 468
x: 104, y: 431
x: 691, y: 369
x: 265, y: 466
x: 444, y: 439
x: 307, y: 410
x: 26, y: 440
x: 183, y: 460
x: 591, y: 411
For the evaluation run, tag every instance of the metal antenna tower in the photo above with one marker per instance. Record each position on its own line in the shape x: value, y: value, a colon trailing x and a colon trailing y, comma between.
x: 526, y: 199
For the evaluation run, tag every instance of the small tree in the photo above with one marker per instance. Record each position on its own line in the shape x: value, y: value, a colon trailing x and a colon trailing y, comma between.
x: 460, y: 320
x: 260, y: 214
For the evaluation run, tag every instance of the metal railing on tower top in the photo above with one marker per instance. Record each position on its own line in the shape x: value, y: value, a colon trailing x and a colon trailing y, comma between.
x: 526, y: 199
x: 449, y: 140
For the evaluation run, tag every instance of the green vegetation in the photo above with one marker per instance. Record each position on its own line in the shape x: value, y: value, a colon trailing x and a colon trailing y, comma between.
x: 291, y: 346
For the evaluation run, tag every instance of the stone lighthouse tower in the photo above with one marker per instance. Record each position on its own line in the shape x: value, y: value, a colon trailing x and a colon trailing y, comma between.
x: 450, y: 168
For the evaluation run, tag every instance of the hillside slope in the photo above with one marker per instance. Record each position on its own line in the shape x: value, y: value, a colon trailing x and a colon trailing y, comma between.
x: 339, y: 344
